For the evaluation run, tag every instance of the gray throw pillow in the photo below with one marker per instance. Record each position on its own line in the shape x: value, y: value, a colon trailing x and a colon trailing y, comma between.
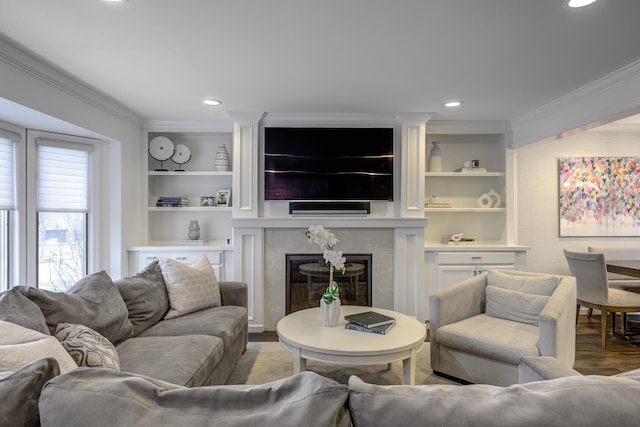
x: 145, y: 296
x: 514, y: 305
x: 94, y: 301
x: 20, y: 392
x: 87, y: 347
x: 102, y: 397
x: 539, y: 285
x: 18, y: 309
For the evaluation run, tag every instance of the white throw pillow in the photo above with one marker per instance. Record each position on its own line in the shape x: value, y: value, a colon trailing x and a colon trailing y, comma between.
x: 20, y: 345
x: 514, y: 305
x: 190, y: 287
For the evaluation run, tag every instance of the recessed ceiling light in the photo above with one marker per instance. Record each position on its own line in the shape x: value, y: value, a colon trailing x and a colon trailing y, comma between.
x: 115, y: 1
x: 212, y: 102
x: 453, y: 104
x: 579, y: 3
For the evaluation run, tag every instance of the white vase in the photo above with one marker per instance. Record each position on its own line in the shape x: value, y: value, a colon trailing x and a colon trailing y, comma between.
x: 222, y: 159
x: 330, y: 312
x: 435, y: 158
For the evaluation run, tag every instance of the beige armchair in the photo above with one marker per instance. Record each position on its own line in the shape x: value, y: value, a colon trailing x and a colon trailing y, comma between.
x: 481, y: 327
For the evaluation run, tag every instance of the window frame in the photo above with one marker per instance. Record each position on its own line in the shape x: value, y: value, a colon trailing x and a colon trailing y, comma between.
x: 93, y: 213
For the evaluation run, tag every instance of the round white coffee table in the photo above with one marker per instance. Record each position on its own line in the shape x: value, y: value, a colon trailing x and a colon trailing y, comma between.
x: 304, y: 336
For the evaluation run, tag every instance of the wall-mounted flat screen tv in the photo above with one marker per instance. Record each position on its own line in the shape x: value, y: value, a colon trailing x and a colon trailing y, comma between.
x: 328, y: 163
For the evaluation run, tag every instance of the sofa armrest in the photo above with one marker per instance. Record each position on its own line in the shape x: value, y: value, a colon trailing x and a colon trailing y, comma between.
x: 464, y: 300
x: 540, y: 368
x: 558, y: 323
x: 234, y: 293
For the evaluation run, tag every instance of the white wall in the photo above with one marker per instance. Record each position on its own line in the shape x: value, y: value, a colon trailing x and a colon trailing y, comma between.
x: 26, y: 81
x: 537, y: 189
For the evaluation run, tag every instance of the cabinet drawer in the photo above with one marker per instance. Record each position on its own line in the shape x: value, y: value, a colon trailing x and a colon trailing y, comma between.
x: 476, y: 258
x: 215, y: 257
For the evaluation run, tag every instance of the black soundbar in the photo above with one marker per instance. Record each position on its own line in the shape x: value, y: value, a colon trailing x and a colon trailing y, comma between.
x: 325, y: 208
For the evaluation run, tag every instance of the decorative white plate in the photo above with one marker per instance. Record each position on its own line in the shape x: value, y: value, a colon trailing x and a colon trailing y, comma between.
x: 161, y: 148
x: 181, y: 155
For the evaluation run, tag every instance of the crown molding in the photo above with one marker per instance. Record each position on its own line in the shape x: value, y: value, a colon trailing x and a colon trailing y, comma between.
x: 276, y: 119
x: 29, y: 63
x: 614, y: 95
x: 194, y: 125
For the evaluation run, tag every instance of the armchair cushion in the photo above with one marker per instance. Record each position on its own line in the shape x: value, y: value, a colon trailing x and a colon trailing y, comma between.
x: 513, y: 305
x: 490, y: 337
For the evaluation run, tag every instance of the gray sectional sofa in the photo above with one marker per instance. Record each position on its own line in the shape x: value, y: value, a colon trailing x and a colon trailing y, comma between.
x: 200, y: 348
x: 554, y: 396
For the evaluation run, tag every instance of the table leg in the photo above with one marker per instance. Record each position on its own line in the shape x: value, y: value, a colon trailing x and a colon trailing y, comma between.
x: 409, y: 368
x: 299, y: 363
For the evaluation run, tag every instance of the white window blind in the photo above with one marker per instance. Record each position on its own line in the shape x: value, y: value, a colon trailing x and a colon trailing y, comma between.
x: 63, y: 176
x: 8, y: 142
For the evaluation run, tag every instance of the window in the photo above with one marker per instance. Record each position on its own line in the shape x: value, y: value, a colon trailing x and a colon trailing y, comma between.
x: 63, y: 212
x: 7, y: 199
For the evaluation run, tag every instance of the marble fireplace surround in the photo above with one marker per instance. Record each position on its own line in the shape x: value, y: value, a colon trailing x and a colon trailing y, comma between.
x: 396, y: 245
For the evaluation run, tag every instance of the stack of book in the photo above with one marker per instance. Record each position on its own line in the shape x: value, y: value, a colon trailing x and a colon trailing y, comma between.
x: 172, y: 202
x: 471, y: 170
x: 370, y: 321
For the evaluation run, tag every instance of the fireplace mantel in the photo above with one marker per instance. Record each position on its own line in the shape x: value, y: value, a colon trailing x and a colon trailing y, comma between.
x: 397, y: 245
x: 304, y: 221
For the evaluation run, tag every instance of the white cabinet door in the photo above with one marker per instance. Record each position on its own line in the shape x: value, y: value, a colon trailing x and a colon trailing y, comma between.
x: 449, y: 275
x: 144, y: 258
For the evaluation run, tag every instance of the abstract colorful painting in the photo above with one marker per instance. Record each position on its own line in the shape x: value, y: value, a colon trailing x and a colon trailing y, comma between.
x: 599, y: 196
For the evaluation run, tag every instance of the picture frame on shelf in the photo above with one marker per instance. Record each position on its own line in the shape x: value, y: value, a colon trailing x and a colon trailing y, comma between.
x: 207, y: 201
x: 223, y: 198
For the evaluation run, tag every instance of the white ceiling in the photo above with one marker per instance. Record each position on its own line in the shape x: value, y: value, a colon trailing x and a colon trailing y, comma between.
x: 160, y: 58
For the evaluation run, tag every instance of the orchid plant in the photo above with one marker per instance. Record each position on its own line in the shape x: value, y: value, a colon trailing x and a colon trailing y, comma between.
x: 327, y: 240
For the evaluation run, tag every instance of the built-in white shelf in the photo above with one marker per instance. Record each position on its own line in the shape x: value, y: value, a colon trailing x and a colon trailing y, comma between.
x: 189, y: 209
x: 475, y: 210
x: 190, y: 173
x: 463, y: 174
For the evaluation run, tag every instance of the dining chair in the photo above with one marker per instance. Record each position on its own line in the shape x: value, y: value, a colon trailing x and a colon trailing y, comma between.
x: 619, y: 281
x: 593, y: 291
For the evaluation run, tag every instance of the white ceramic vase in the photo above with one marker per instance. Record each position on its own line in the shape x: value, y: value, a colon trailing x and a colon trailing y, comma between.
x: 222, y: 159
x: 330, y: 312
x: 435, y: 158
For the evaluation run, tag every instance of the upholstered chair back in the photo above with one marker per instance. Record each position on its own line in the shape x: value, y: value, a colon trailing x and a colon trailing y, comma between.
x: 590, y: 272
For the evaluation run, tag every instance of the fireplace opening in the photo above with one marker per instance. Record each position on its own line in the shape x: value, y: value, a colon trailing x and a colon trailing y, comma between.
x: 307, y: 277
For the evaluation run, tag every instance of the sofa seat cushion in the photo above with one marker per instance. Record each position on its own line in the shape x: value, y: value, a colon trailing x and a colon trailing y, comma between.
x: 570, y: 401
x: 225, y: 322
x: 101, y: 397
x: 187, y: 360
x: 492, y: 338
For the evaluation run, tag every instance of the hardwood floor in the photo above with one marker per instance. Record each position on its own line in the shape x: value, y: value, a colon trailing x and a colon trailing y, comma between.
x: 620, y: 355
